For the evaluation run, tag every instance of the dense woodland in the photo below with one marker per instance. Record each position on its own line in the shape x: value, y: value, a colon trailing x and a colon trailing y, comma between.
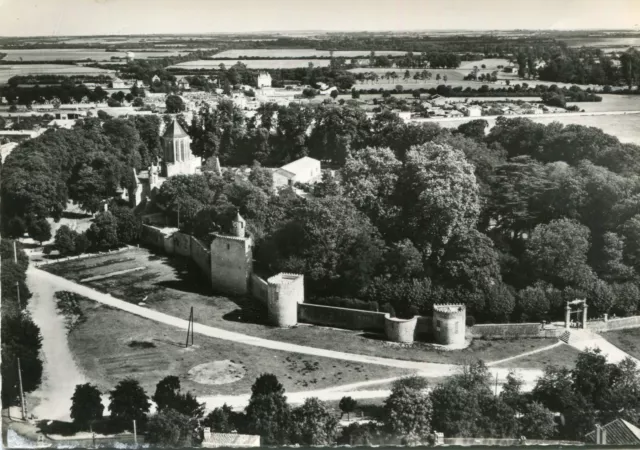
x: 511, y: 223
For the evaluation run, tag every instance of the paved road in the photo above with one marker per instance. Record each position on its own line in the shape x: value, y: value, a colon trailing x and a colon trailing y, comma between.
x: 60, y: 371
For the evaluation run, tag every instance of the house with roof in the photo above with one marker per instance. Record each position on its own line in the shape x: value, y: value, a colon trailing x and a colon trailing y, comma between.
x: 155, y: 79
x: 117, y: 83
x: 303, y: 170
x: 264, y: 80
x: 617, y: 432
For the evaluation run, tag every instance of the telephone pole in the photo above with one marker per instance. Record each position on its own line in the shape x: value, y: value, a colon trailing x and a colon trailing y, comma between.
x: 23, y: 403
x: 190, y: 329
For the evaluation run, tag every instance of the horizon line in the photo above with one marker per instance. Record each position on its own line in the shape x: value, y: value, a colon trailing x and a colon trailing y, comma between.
x: 274, y: 32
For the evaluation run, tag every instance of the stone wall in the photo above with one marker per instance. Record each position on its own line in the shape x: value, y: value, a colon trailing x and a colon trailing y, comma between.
x: 259, y: 288
x: 152, y: 236
x: 400, y: 330
x: 351, y: 319
x: 513, y: 331
x: 614, y: 324
x: 181, y: 244
x: 201, y: 256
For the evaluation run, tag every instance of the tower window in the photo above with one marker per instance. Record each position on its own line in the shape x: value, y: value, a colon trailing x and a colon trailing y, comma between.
x: 438, y: 324
x: 228, y: 246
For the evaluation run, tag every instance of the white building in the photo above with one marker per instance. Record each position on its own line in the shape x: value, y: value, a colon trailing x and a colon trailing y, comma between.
x: 117, y: 83
x: 473, y: 111
x: 303, y: 170
x: 155, y: 79
x: 264, y: 80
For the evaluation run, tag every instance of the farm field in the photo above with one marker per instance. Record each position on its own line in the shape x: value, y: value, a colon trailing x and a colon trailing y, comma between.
x: 7, y: 71
x: 624, y: 42
x: 169, y: 286
x: 75, y: 54
x: 253, y: 63
x: 300, y: 53
x: 109, y: 345
x: 625, y: 127
x: 627, y: 340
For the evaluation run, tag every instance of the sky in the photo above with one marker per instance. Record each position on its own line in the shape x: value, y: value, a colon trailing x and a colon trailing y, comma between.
x: 117, y: 17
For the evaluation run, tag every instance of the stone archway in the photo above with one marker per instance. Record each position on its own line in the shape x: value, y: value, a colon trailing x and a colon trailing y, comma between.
x: 579, y: 308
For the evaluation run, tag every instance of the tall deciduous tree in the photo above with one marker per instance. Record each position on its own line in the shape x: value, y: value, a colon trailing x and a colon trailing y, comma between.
x: 128, y: 402
x: 268, y: 413
x: 408, y: 411
x: 86, y: 405
x: 313, y: 424
x: 439, y: 195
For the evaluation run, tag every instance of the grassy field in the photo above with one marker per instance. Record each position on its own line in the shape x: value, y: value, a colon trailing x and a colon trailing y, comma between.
x: 9, y: 71
x: 627, y: 340
x: 300, y: 53
x: 75, y: 54
x: 253, y: 63
x: 171, y: 286
x: 562, y: 356
x: 110, y: 345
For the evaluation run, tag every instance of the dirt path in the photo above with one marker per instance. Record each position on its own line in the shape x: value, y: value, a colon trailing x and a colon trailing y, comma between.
x: 60, y: 371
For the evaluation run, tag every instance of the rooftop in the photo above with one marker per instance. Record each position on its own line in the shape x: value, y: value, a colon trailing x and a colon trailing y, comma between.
x: 619, y: 432
x: 174, y: 131
x: 301, y: 164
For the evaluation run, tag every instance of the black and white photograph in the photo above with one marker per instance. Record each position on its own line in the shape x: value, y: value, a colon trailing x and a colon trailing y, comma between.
x: 337, y: 223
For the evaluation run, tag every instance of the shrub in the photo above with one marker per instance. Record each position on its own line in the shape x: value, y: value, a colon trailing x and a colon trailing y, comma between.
x: 470, y: 321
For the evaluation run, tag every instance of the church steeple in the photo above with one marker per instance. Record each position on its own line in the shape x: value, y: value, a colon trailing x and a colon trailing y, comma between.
x: 178, y: 158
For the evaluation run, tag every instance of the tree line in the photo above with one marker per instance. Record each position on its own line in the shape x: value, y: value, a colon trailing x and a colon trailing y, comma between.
x: 21, y: 338
x: 564, y: 404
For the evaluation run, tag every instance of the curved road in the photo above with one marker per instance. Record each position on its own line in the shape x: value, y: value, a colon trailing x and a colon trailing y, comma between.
x: 61, y: 367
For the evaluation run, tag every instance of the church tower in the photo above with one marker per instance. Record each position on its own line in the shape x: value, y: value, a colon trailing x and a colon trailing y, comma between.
x: 178, y: 159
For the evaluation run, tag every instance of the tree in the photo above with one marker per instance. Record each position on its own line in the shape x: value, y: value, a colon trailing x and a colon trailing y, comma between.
x: 103, y: 232
x: 21, y: 338
x: 334, y: 94
x: 169, y: 396
x: 355, y: 94
x: 128, y: 225
x: 557, y: 253
x: 329, y: 241
x: 175, y: 104
x: 86, y: 405
x: 474, y: 129
x: 309, y: 93
x: 65, y: 240
x: 268, y: 413
x: 313, y: 424
x: 463, y: 405
x: 369, y: 179
x: 408, y: 411
x: 338, y: 130
x: 224, y: 420
x: 537, y: 422
x: 128, y: 402
x: 347, y: 405
x: 138, y: 102
x: 172, y: 429
x: 16, y: 227
x: 439, y: 195
x: 39, y: 230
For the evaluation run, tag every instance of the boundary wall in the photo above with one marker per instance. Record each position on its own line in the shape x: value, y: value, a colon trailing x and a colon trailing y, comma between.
x: 177, y: 243
x: 614, y: 324
x: 513, y: 331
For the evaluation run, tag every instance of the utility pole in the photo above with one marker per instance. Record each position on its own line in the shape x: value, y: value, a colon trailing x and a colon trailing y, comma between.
x: 24, y: 406
x: 190, y: 329
x: 135, y: 433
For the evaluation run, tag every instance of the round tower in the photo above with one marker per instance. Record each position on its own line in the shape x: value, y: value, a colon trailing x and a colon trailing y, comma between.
x: 238, y: 226
x: 449, y: 323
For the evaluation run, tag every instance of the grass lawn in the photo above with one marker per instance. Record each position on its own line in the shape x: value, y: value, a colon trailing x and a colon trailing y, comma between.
x: 101, y: 345
x: 627, y: 340
x: 171, y: 286
x: 562, y: 356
